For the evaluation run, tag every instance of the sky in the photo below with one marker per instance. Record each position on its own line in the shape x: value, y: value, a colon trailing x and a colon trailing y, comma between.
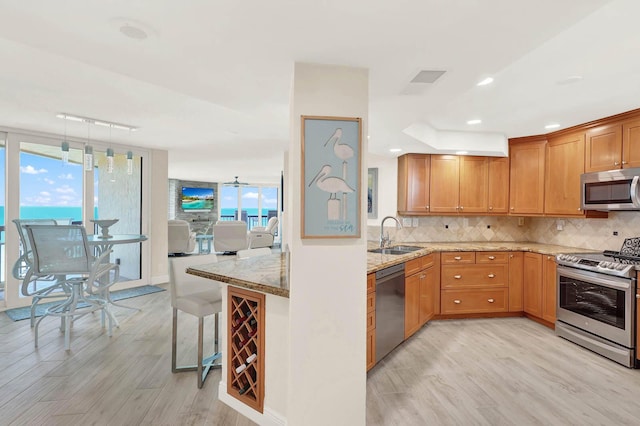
x: 250, y: 195
x: 49, y: 182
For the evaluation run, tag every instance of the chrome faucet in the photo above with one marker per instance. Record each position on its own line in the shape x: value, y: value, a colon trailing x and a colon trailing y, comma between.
x: 385, y: 241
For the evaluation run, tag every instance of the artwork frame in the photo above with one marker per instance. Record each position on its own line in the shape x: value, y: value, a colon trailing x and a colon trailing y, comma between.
x: 331, y: 164
x: 372, y: 193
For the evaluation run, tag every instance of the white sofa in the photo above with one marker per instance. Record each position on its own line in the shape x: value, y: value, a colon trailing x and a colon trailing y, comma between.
x: 180, y: 238
x: 230, y: 236
x: 262, y: 236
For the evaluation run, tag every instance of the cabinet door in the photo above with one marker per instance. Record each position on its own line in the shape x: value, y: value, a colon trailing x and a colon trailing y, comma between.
x: 498, y: 201
x: 526, y: 195
x: 413, y: 183
x: 445, y: 184
x: 533, y: 284
x: 516, y: 276
x: 563, y: 170
x: 549, y: 297
x: 427, y: 295
x: 474, y: 185
x: 371, y: 349
x: 631, y: 144
x: 603, y: 150
x: 411, y: 305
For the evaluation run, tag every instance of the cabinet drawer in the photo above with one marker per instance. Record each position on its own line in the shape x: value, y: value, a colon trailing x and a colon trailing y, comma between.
x: 371, y: 301
x: 412, y: 266
x: 371, y: 320
x: 428, y: 261
x: 371, y: 283
x: 474, y: 301
x: 492, y: 257
x: 482, y: 275
x: 458, y: 257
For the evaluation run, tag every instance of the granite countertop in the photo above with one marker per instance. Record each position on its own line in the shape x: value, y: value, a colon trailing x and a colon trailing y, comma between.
x: 376, y: 261
x: 267, y: 274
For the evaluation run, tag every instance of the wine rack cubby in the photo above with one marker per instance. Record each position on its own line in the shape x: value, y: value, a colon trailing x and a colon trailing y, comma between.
x: 245, y: 347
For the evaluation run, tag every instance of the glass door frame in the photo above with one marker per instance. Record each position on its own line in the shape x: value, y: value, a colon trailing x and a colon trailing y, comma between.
x: 12, y: 204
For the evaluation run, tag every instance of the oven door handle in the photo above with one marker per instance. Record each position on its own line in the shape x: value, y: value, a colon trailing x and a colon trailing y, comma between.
x: 591, y: 277
x: 634, y: 191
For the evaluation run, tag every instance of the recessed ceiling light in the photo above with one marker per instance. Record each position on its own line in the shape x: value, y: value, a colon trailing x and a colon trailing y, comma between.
x: 133, y: 32
x: 475, y: 121
x: 552, y: 126
x: 461, y: 152
x: 486, y: 81
x: 569, y: 80
x: 395, y: 150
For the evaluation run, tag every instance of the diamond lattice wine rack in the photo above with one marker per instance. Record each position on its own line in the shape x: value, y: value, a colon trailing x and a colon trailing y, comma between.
x: 245, y: 347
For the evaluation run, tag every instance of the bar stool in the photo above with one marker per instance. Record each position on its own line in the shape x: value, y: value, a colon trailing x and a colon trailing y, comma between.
x: 199, y: 297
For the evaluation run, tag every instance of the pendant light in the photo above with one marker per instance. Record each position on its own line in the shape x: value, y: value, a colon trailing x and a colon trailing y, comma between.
x: 109, y: 160
x: 88, y: 152
x: 65, y: 147
x: 129, y: 162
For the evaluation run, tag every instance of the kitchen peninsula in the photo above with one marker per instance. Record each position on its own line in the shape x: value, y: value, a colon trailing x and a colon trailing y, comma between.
x: 523, y: 266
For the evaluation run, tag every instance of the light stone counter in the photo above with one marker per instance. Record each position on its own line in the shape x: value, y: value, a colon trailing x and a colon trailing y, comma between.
x: 268, y: 274
x: 376, y: 261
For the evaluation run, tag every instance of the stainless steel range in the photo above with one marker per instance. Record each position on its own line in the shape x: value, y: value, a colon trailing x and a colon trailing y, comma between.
x: 597, y: 303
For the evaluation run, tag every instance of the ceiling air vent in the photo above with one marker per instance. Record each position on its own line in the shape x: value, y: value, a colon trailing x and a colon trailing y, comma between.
x: 427, y: 76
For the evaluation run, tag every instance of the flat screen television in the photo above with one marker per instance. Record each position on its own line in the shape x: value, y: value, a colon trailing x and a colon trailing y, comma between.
x: 197, y: 199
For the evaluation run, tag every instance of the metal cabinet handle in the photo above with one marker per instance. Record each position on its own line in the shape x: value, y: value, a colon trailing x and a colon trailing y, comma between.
x: 490, y: 208
x: 457, y: 302
x: 491, y: 275
x: 510, y: 256
x: 491, y: 257
x: 490, y: 300
x: 615, y: 163
x: 513, y: 208
x: 423, y: 276
x: 637, y: 296
x: 461, y: 207
x: 624, y: 162
x: 457, y: 277
x: 457, y: 258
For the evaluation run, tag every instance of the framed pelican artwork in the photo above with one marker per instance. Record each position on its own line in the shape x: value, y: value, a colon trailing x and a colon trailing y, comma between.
x: 331, y: 175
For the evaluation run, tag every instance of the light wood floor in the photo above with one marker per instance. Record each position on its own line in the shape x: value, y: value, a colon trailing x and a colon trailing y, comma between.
x: 468, y: 372
x: 122, y: 380
x: 508, y: 371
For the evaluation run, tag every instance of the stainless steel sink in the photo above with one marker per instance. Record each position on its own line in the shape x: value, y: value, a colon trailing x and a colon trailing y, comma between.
x: 396, y: 250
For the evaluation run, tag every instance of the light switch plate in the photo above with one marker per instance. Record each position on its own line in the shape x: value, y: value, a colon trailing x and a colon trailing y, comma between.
x: 416, y: 222
x: 406, y: 222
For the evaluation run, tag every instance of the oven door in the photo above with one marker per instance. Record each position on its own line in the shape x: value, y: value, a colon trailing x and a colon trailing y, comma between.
x: 597, y: 303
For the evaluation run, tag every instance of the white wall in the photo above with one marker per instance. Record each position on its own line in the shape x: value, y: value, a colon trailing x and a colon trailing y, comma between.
x: 158, y: 205
x: 327, y: 376
x: 387, y: 187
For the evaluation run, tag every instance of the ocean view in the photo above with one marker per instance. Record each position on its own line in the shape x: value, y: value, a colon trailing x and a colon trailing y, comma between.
x: 45, y: 212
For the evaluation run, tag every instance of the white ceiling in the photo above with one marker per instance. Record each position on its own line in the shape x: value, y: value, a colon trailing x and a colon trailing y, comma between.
x: 211, y: 82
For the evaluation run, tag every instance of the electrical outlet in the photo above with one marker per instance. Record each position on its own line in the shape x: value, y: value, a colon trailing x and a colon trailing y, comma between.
x: 521, y: 221
x: 615, y: 233
x: 406, y: 222
x: 416, y: 222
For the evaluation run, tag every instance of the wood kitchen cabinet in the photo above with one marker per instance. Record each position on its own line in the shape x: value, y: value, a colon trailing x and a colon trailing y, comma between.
x: 445, y: 184
x: 460, y: 184
x: 498, y: 193
x: 549, y: 288
x: 474, y: 185
x: 413, y: 184
x: 631, y: 144
x: 526, y: 177
x: 420, y: 287
x: 603, y: 149
x: 474, y: 282
x: 371, y: 321
x: 562, y: 182
x: 516, y: 277
x: 532, y: 266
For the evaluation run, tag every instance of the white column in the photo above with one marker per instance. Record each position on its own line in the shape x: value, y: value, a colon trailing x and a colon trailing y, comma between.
x: 327, y: 375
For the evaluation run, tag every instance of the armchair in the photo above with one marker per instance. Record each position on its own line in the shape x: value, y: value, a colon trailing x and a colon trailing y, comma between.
x: 229, y: 236
x: 262, y: 236
x: 181, y: 239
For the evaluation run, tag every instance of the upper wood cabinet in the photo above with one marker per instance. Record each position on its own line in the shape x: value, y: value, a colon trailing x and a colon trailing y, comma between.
x: 474, y: 185
x: 631, y: 144
x: 603, y: 150
x: 498, y: 201
x: 563, y: 169
x: 445, y: 184
x: 413, y: 184
x: 526, y: 192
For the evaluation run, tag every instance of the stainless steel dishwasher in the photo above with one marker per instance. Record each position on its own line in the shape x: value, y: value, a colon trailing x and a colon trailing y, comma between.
x: 389, y: 309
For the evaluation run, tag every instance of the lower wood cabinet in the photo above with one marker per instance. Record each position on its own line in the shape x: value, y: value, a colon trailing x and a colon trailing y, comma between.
x: 371, y: 321
x: 549, y: 288
x: 475, y: 301
x: 421, y: 278
x: 516, y: 277
x: 533, y: 284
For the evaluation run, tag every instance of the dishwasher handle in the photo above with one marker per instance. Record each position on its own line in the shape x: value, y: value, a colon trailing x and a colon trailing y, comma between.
x: 390, y: 273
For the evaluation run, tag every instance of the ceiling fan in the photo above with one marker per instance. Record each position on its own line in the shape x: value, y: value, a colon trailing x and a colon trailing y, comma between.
x: 236, y: 183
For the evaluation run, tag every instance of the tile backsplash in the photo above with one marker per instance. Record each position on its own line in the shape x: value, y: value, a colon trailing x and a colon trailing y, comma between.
x: 585, y: 233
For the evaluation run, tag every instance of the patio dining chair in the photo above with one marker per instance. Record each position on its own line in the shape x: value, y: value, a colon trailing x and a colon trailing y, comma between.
x: 63, y: 251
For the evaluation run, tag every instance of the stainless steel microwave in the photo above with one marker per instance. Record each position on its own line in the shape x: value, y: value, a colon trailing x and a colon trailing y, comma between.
x: 611, y: 190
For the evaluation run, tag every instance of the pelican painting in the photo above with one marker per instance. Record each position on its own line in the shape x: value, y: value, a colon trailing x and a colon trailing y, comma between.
x: 332, y: 185
x: 343, y: 152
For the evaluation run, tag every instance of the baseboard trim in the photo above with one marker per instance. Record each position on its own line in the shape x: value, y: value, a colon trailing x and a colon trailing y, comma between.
x: 268, y: 417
